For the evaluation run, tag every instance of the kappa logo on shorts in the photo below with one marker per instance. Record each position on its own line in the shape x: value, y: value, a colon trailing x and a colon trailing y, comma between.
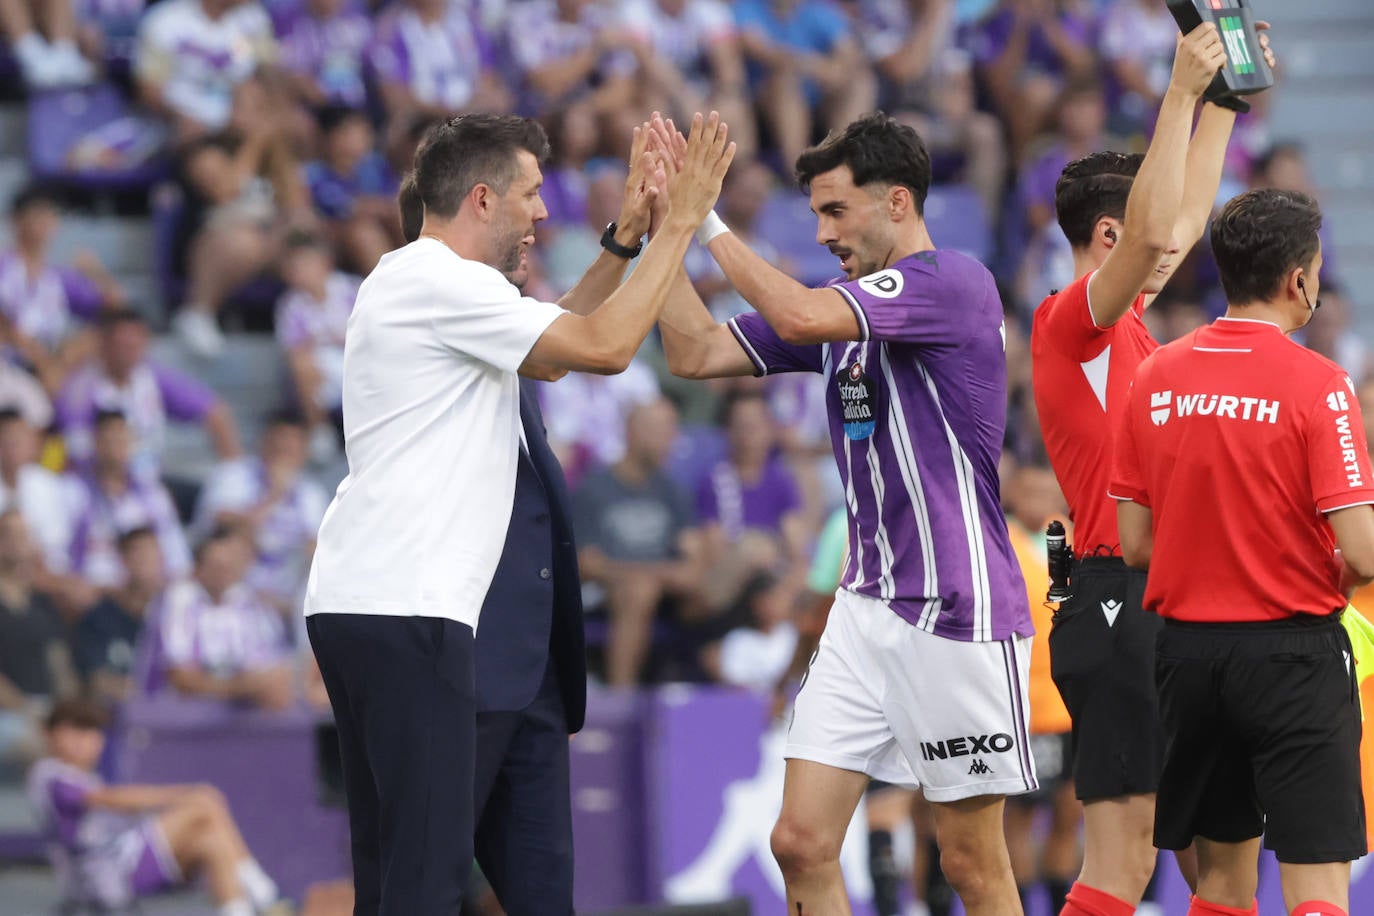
x: 999, y: 743
x: 1110, y: 608
x: 979, y: 768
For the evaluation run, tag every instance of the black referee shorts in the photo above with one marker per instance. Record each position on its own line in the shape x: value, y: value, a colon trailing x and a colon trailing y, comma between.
x: 1102, y: 652
x: 1261, y: 725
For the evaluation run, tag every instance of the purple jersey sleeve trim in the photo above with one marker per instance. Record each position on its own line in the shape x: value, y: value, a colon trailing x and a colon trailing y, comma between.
x: 760, y: 367
x: 864, y: 332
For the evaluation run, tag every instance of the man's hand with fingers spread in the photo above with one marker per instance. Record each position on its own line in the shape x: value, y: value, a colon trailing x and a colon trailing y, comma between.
x: 642, y: 188
x: 694, y: 188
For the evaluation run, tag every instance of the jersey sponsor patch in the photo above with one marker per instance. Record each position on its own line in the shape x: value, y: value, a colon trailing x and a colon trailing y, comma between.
x: 885, y: 284
x: 858, y: 401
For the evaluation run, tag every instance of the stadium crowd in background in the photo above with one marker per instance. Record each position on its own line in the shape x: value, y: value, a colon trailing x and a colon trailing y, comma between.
x: 282, y: 128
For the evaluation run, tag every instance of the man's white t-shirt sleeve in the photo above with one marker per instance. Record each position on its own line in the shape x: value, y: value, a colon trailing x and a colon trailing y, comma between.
x: 485, y: 317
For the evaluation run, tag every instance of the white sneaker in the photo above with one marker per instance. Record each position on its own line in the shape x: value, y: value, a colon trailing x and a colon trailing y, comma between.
x: 76, y: 70
x: 39, y: 62
x: 199, y: 332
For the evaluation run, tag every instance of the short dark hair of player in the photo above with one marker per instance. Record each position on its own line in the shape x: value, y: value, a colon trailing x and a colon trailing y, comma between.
x: 1260, y: 237
x: 463, y: 152
x: 77, y: 713
x: 878, y: 150
x: 412, y: 207
x: 1091, y: 188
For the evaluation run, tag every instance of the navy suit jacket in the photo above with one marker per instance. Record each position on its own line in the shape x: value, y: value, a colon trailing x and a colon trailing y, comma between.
x: 532, y: 616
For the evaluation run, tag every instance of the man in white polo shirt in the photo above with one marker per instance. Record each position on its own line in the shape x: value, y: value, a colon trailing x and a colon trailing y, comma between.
x: 411, y: 541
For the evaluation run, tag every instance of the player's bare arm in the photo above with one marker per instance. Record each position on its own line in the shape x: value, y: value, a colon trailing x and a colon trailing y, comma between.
x: 1136, y: 524
x: 1153, y: 207
x: 1354, y: 530
x: 606, y: 340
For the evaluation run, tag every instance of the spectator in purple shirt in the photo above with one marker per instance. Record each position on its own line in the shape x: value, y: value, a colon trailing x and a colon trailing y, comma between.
x: 44, y: 306
x: 323, y: 51
x: 271, y: 500
x: 1025, y: 50
x: 354, y: 189
x: 122, y: 378
x: 749, y: 504
x: 129, y: 841
x: 218, y: 638
x: 112, y: 499
x: 432, y: 58
x: 312, y: 316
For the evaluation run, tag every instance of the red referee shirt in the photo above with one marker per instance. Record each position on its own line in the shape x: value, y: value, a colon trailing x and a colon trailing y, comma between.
x: 1081, y: 374
x: 1239, y: 440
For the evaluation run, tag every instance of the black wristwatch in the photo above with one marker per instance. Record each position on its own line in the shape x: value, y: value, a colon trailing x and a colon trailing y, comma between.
x: 620, y: 251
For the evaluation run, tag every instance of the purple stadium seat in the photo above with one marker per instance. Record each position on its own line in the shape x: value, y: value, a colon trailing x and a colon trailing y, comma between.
x: 787, y: 222
x: 957, y: 219
x: 698, y: 448
x: 60, y: 120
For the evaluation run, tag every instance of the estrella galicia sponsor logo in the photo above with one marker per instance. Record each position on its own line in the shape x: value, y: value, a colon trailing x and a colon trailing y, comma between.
x: 885, y: 284
x: 979, y: 768
x: 999, y: 743
x: 1159, y: 406
x: 858, y: 401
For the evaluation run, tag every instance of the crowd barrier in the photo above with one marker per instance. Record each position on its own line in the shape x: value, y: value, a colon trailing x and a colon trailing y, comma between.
x: 675, y: 791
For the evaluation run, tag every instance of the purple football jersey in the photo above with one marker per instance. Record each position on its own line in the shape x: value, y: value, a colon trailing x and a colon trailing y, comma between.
x: 917, y: 410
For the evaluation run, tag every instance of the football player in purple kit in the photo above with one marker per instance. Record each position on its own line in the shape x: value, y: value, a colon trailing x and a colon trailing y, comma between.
x: 920, y: 678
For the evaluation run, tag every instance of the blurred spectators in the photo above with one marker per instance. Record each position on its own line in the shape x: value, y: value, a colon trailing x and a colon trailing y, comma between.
x: 323, y: 51
x: 757, y: 651
x: 903, y: 39
x: 121, y: 378
x: 1026, y: 51
x: 269, y: 499
x: 106, y: 635
x: 113, y: 498
x: 432, y: 58
x: 690, y: 61
x: 35, y: 661
x: 1137, y: 45
x: 312, y: 316
x: 43, y: 36
x: 194, y: 55
x: 804, y: 59
x: 40, y: 495
x: 44, y: 306
x: 749, y: 505
x: 587, y: 415
x: 216, y: 637
x: 637, y: 540
x: 354, y: 189
x: 243, y: 194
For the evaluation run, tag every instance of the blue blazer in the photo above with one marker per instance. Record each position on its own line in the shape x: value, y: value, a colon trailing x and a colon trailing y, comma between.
x: 532, y: 616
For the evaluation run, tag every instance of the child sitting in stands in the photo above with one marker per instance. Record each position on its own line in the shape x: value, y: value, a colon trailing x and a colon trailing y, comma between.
x: 113, y: 844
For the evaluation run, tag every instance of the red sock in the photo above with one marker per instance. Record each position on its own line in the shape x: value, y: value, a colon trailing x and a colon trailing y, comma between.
x: 1089, y: 901
x: 1202, y: 907
x: 1317, y: 908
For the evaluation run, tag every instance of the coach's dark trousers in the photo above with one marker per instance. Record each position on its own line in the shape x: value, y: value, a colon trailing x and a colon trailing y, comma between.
x: 404, y: 700
x: 524, y: 827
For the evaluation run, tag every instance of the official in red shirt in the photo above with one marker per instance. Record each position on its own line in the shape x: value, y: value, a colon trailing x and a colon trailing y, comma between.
x: 1241, y: 455
x: 1129, y: 221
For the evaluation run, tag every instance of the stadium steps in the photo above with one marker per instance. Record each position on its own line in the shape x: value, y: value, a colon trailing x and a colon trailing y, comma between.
x: 1326, y: 101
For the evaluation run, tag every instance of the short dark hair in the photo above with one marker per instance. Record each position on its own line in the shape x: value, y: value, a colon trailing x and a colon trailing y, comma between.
x: 77, y: 712
x: 1091, y: 188
x: 736, y: 397
x: 332, y: 117
x: 34, y: 195
x: 285, y: 416
x: 458, y: 154
x: 412, y: 207
x: 878, y: 149
x: 112, y: 318
x: 9, y: 413
x: 106, y: 415
x: 1260, y: 237
x: 126, y: 538
x: 1282, y: 149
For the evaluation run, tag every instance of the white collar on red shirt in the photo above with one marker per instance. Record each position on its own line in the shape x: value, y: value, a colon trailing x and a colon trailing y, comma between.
x: 1251, y: 321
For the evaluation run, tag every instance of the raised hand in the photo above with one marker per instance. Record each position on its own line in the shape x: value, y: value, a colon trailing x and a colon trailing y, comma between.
x: 694, y: 186
x: 1198, y: 57
x: 642, y: 186
x: 1263, y: 27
